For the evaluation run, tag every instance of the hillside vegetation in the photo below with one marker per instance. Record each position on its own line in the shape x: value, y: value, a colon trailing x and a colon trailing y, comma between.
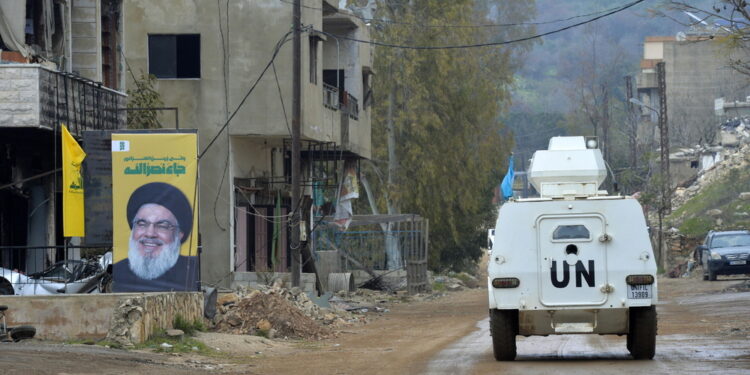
x: 717, y: 204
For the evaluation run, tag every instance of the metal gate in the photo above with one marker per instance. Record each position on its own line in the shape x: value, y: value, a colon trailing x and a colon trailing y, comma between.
x: 364, y: 245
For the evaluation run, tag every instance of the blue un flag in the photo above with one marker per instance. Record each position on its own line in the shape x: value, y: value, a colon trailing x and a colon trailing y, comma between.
x: 507, y: 185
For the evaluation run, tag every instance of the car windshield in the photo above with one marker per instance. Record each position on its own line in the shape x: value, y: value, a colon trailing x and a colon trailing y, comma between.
x: 732, y: 240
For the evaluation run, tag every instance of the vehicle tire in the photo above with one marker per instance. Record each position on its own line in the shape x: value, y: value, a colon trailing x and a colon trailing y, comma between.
x: 504, y: 328
x: 711, y: 275
x: 642, y: 334
x: 629, y: 342
x: 705, y: 276
x: 105, y: 284
x: 6, y: 289
x: 22, y: 333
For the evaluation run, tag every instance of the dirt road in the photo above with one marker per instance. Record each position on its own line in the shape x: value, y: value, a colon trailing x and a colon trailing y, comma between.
x: 703, y: 328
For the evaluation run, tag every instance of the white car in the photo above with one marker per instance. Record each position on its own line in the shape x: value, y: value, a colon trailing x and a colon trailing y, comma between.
x: 67, y: 276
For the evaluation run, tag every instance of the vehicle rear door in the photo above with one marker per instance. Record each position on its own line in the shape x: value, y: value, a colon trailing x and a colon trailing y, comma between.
x: 573, y: 259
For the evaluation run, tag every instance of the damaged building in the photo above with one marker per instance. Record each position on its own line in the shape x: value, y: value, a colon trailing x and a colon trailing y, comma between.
x: 59, y: 64
x: 206, y: 56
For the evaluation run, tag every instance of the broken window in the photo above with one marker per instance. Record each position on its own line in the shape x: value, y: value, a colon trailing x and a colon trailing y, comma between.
x: 313, y: 60
x: 334, y: 78
x: 174, y: 56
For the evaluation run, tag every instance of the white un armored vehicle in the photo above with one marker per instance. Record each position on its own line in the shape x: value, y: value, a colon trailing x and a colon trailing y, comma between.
x: 573, y: 261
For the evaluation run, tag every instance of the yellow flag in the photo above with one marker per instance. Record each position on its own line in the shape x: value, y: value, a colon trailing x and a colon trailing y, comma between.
x: 72, y: 188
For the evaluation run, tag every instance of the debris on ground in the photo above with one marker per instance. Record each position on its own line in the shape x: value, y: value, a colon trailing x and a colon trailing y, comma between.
x: 739, y: 287
x: 278, y: 312
x: 269, y: 314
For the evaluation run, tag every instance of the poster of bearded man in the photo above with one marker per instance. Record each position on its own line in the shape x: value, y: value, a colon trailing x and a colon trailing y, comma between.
x: 155, y: 211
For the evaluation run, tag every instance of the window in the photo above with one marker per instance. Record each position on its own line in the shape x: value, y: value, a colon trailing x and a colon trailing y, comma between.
x: 732, y: 240
x: 174, y: 56
x: 571, y: 232
x: 313, y: 60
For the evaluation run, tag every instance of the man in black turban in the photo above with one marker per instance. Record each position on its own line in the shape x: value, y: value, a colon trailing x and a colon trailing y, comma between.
x: 161, y: 219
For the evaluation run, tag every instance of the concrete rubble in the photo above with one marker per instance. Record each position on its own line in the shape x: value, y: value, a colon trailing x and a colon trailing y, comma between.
x: 281, y: 313
x: 733, y: 158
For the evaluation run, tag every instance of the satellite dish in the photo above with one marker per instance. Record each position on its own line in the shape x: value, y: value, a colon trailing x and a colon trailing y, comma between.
x: 680, y: 37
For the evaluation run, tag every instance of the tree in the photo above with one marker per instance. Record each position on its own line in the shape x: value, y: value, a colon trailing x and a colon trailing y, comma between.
x: 435, y: 125
x: 144, y: 96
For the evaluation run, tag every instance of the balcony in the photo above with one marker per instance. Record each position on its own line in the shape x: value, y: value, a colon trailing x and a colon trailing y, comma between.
x: 647, y: 80
x: 32, y: 96
x: 330, y: 97
x: 350, y: 106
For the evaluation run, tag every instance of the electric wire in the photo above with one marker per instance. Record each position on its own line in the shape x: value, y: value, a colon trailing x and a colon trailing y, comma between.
x: 281, y: 99
x: 468, y: 26
x: 284, y: 39
x: 225, y: 73
x: 488, y: 44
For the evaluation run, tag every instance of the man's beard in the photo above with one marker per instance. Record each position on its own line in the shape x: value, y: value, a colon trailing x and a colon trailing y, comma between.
x: 151, y: 268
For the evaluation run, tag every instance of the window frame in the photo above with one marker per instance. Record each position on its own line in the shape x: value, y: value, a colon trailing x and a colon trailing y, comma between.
x: 571, y: 239
x: 200, y: 48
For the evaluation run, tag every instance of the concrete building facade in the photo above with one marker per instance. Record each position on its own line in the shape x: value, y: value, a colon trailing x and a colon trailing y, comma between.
x: 54, y: 58
x: 206, y: 57
x: 697, y: 72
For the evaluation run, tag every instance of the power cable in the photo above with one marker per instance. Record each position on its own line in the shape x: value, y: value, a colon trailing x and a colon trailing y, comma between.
x: 279, y: 44
x: 489, y: 44
x: 468, y: 26
x: 281, y: 99
x: 225, y: 73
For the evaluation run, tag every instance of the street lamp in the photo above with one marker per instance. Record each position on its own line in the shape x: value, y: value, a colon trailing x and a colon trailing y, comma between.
x: 642, y: 104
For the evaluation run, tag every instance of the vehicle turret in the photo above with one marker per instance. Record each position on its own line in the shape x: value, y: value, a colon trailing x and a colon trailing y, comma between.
x: 571, y: 167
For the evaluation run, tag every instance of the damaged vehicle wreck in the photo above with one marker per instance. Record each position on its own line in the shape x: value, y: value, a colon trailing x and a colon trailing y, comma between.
x: 64, y: 277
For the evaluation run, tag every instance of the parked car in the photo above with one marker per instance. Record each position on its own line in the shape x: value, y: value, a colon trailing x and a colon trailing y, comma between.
x: 725, y: 253
x: 67, y: 276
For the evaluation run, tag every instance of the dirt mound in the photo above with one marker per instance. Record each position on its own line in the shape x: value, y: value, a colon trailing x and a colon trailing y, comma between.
x: 269, y: 315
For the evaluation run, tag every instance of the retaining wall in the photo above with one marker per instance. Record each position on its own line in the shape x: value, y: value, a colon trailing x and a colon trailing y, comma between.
x: 127, y: 318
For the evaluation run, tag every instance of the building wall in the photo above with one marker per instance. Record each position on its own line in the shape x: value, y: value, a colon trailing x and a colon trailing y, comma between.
x: 19, y: 95
x: 697, y: 72
x: 653, y: 50
x: 254, y: 26
x: 87, y: 39
x: 352, y: 57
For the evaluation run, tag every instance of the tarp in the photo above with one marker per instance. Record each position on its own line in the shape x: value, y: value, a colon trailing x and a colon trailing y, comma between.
x: 12, y: 25
x: 72, y: 157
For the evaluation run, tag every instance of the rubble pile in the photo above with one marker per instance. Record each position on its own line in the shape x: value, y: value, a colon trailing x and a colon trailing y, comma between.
x: 290, y: 312
x: 456, y: 281
x: 268, y: 314
x: 733, y: 158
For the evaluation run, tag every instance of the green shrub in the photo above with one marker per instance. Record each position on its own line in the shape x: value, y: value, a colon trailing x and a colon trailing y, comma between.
x: 188, y: 327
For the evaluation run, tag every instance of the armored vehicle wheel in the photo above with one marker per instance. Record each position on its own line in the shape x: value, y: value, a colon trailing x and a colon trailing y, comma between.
x: 642, y: 335
x: 629, y: 342
x: 503, y: 328
x: 711, y: 275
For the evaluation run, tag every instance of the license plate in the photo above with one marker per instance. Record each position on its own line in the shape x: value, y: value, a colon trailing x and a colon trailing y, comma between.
x: 639, y: 291
x: 737, y: 262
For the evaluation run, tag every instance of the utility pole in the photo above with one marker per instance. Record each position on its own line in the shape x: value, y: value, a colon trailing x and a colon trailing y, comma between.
x: 632, y: 123
x: 296, y: 213
x: 666, y: 188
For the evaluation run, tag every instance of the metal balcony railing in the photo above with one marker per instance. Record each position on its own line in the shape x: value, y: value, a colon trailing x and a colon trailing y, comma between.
x: 79, y: 103
x: 330, y: 97
x: 44, y: 98
x: 352, y: 106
